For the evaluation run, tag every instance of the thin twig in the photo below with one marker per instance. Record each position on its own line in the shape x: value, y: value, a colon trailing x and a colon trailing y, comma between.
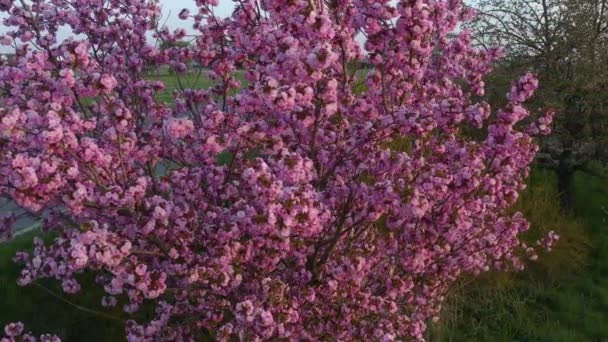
x: 79, y: 307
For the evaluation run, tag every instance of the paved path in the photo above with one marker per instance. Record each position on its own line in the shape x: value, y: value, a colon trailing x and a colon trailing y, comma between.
x: 24, y: 224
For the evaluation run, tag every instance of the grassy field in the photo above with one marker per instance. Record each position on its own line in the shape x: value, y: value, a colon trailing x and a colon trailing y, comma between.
x: 188, y: 81
x: 563, y: 297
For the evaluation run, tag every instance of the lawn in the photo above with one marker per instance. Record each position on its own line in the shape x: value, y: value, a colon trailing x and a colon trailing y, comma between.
x: 194, y: 80
x: 189, y: 81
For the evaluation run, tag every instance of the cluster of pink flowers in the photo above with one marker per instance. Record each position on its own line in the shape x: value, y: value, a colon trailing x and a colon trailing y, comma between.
x: 321, y: 200
x: 548, y: 241
x: 15, y: 332
x: 179, y: 128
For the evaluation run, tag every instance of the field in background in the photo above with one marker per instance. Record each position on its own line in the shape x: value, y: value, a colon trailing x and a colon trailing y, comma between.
x: 188, y: 81
x: 194, y: 80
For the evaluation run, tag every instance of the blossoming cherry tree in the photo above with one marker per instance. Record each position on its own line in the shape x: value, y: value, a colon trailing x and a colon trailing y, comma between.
x: 327, y: 186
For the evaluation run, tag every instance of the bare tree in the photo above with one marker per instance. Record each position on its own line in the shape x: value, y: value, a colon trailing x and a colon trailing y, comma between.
x: 566, y: 43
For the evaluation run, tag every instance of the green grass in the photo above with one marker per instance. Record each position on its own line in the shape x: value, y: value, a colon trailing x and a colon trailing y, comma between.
x: 42, y: 311
x: 194, y: 80
x: 189, y: 81
x: 563, y: 297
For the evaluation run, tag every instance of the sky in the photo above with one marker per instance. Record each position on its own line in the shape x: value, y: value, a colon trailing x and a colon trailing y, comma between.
x: 170, y: 8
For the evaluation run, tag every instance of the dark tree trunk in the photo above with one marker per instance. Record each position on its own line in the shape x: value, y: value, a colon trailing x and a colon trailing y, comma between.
x: 565, y: 176
x: 565, y: 180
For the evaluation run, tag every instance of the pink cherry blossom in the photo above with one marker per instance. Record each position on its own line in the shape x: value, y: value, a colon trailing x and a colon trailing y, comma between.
x: 16, y: 332
x: 179, y: 128
x: 13, y: 329
x: 108, y: 83
x: 184, y: 14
